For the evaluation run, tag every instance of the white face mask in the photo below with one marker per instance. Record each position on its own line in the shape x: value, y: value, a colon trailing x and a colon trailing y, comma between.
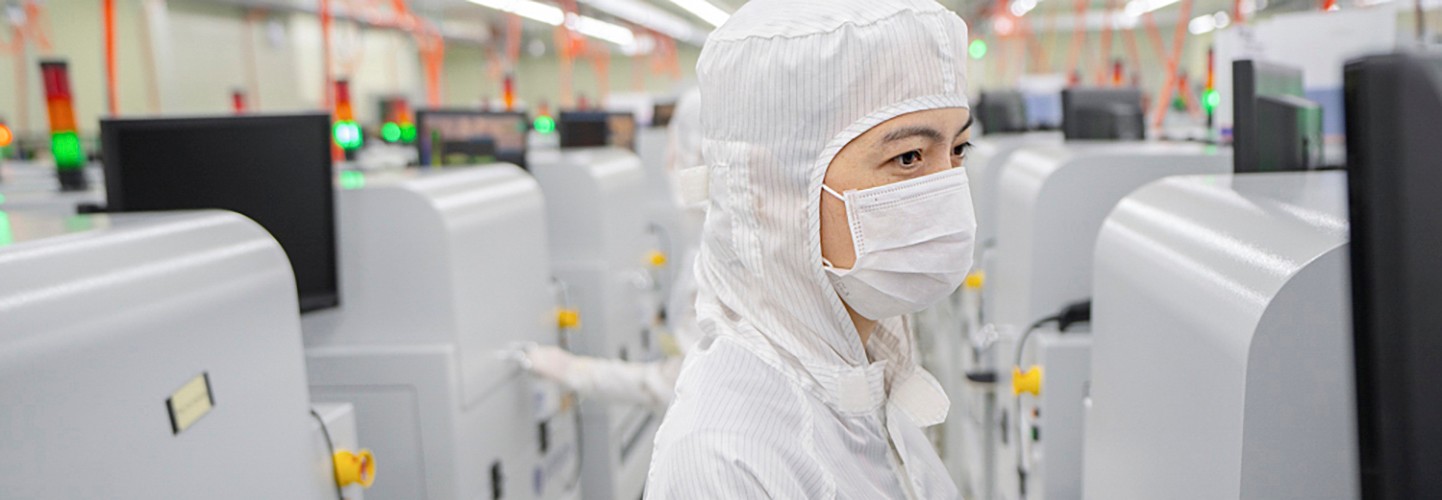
x: 913, y: 243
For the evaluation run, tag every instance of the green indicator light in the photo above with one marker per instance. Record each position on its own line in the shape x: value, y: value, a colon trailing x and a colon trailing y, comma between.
x: 977, y: 49
x: 408, y: 133
x: 5, y: 236
x: 348, y: 135
x: 545, y: 124
x: 352, y: 179
x: 390, y: 132
x: 66, y: 148
x: 1212, y: 99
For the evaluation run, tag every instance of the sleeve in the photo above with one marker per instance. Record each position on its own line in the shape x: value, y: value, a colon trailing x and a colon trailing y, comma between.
x: 648, y: 384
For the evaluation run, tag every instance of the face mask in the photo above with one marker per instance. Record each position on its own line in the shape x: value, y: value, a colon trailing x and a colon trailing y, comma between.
x: 913, y: 243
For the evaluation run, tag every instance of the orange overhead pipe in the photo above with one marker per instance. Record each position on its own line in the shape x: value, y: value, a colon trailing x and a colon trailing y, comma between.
x: 1078, y: 37
x: 1106, y: 54
x: 1132, y: 51
x: 325, y: 19
x: 1173, y: 63
x: 111, y: 92
x: 1237, y: 16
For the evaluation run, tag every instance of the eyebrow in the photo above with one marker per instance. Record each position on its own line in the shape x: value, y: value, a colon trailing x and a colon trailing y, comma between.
x: 927, y: 132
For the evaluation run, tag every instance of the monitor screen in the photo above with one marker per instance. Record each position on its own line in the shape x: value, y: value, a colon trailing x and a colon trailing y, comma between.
x: 1001, y: 112
x: 1393, y: 112
x: 467, y: 137
x: 1109, y: 113
x: 661, y: 114
x: 274, y: 169
x: 583, y: 129
x: 1251, y: 81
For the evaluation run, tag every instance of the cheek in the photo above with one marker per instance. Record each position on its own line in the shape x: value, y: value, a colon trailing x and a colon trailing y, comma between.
x: 836, y: 245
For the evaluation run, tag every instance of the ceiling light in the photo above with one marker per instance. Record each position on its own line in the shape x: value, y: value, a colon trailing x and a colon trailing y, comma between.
x: 704, y: 10
x: 554, y: 16
x: 645, y: 14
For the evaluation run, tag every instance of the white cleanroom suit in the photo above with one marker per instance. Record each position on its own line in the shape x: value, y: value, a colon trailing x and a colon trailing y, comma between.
x: 780, y: 399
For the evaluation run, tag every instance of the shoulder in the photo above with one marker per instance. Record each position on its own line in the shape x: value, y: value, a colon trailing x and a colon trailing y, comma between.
x: 738, y: 429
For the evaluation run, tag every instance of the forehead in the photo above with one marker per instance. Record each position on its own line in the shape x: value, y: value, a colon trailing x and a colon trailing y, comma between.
x: 947, y: 121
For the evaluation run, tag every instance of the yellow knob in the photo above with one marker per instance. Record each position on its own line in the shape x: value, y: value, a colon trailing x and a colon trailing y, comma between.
x: 975, y: 280
x: 1028, y: 381
x: 568, y: 318
x: 355, y: 468
x: 656, y: 258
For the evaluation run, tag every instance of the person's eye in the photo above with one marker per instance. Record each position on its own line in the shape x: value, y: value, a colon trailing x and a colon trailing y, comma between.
x: 958, y: 154
x: 909, y: 159
x: 961, y: 149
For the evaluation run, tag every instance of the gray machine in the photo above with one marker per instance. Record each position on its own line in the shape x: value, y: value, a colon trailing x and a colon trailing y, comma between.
x: 599, y: 243
x: 1222, y: 363
x: 1051, y: 201
x: 440, y: 273
x: 155, y: 356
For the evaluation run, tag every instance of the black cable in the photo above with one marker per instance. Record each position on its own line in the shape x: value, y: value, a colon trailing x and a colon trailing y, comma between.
x: 325, y: 431
x: 1076, y: 312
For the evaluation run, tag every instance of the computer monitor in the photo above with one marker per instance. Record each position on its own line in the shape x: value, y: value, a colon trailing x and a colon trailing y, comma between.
x: 274, y: 169
x: 661, y: 114
x: 1001, y: 112
x: 469, y: 137
x: 1393, y: 112
x: 582, y: 129
x: 1293, y: 137
x: 1096, y: 113
x: 1260, y: 92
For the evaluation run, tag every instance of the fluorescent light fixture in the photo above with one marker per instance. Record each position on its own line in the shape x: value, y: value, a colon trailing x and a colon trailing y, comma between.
x: 597, y: 28
x: 704, y: 10
x: 1207, y: 23
x: 554, y: 16
x: 1021, y: 7
x: 1136, y: 8
x: 645, y: 14
x: 1202, y: 24
x: 534, y: 11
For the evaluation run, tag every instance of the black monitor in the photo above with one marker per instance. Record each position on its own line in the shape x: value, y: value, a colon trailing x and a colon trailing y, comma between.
x: 661, y: 114
x: 1266, y: 96
x: 1001, y: 112
x: 471, y: 137
x: 1103, y: 113
x: 1394, y: 164
x: 1293, y: 137
x: 274, y: 169
x: 583, y: 129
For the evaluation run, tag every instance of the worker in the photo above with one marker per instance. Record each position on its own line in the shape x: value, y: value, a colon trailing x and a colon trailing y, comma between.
x: 832, y: 132
x: 650, y: 384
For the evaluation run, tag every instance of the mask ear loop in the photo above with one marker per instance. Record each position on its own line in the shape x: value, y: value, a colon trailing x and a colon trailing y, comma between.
x: 826, y: 264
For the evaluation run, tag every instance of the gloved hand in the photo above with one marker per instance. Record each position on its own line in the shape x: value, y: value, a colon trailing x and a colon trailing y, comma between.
x: 551, y: 362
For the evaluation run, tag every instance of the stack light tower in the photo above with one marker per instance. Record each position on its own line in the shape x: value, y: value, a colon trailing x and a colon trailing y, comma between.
x: 6, y: 138
x: 400, y: 126
x: 544, y: 123
x: 64, y: 136
x: 347, y: 133
x: 237, y: 101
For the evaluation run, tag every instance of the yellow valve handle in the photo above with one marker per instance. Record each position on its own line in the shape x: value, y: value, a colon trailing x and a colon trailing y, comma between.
x: 975, y: 280
x: 568, y: 318
x: 656, y: 258
x: 1028, y: 381
x: 355, y: 468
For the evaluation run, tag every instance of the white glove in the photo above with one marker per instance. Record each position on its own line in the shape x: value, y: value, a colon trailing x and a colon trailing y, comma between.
x: 551, y: 362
